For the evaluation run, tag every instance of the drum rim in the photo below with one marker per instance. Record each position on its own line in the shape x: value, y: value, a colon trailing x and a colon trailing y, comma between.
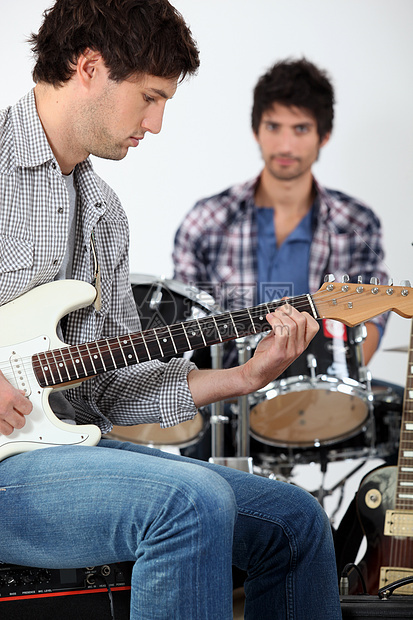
x: 194, y: 294
x: 280, y: 387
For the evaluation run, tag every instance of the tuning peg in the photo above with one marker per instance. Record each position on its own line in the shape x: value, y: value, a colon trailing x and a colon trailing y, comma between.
x: 374, y: 281
x: 391, y: 281
x: 329, y: 278
x: 345, y: 278
x: 360, y: 279
x: 405, y: 283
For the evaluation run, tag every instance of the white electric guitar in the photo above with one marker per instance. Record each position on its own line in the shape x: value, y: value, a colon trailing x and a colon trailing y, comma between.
x: 34, y: 359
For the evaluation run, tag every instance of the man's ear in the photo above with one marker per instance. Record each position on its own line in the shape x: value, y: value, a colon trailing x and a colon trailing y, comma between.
x: 87, y: 64
x: 325, y: 139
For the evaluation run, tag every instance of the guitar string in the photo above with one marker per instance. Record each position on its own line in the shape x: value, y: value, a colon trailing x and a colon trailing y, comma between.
x: 149, y: 336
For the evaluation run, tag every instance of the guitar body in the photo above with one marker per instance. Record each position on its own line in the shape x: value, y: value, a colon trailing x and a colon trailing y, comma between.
x: 385, y: 509
x: 27, y: 326
x: 376, y: 495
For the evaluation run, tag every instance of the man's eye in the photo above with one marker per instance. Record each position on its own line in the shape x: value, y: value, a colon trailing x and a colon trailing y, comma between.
x: 302, y: 129
x: 149, y: 99
x: 271, y: 126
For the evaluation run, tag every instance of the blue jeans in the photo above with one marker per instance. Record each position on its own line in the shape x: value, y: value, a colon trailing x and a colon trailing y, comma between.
x: 182, y: 522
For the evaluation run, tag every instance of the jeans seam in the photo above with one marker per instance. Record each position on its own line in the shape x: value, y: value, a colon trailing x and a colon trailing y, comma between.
x: 292, y: 543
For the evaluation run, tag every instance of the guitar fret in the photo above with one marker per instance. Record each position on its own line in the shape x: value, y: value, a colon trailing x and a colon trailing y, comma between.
x: 48, y: 379
x: 252, y: 322
x: 201, y: 332
x: 172, y: 340
x: 54, y: 372
x: 233, y: 322
x: 73, y: 362
x: 166, y: 342
x: 79, y: 359
x: 218, y: 332
x: 159, y: 344
x: 128, y: 350
x: 61, y: 365
x: 186, y: 336
x: 146, y: 346
x: 111, y: 359
x: 91, y: 358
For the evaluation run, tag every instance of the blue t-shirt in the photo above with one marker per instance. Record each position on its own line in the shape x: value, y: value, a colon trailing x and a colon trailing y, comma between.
x: 282, y: 271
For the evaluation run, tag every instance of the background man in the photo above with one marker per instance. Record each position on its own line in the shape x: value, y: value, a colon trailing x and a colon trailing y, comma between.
x: 282, y: 232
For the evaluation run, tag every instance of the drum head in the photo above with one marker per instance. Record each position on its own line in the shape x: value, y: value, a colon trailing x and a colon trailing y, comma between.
x: 182, y: 435
x: 312, y: 414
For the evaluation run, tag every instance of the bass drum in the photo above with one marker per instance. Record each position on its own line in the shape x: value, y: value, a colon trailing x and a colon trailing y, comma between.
x: 322, y: 398
x: 163, y: 302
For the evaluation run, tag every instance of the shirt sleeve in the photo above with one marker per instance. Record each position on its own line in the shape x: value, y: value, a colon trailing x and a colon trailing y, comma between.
x: 146, y: 393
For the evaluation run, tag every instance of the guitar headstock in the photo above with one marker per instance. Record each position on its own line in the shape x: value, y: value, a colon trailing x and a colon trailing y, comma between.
x: 352, y: 304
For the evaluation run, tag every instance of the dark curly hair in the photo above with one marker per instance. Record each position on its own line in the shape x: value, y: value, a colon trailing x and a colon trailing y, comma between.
x: 135, y: 37
x: 295, y: 83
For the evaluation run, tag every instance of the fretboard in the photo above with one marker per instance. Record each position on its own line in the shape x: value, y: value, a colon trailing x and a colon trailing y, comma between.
x: 79, y: 362
x: 404, y: 489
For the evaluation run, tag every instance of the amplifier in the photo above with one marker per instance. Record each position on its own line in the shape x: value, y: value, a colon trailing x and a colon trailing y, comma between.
x: 366, y: 606
x: 94, y: 592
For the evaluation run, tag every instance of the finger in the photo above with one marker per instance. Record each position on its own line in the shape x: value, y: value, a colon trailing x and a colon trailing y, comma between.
x: 5, y: 428
x: 23, y: 404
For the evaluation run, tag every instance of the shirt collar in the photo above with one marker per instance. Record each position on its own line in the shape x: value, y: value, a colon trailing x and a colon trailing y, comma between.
x: 30, y: 142
x: 31, y: 147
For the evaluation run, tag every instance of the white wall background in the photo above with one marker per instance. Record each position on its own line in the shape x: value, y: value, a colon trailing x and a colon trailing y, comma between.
x: 206, y: 142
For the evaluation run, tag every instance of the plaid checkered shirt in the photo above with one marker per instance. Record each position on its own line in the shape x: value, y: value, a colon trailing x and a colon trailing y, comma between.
x: 33, y: 238
x: 216, y: 245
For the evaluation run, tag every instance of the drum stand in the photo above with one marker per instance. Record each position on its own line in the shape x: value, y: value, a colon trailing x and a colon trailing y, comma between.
x: 242, y: 460
x: 217, y: 409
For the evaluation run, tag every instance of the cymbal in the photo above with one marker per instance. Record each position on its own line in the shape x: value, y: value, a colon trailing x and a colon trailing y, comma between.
x: 404, y: 349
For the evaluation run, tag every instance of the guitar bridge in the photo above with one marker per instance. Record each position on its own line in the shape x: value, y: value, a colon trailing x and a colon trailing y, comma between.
x: 389, y: 574
x: 398, y: 523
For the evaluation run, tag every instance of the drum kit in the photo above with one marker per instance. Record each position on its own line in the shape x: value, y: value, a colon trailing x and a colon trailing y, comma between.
x: 322, y: 409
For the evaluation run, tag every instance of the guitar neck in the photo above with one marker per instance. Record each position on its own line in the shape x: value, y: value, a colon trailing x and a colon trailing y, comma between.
x: 78, y: 362
x: 349, y: 303
x: 404, y: 488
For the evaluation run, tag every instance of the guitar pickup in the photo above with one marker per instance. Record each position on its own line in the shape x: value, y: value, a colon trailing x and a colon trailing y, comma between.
x: 398, y: 523
x: 19, y: 372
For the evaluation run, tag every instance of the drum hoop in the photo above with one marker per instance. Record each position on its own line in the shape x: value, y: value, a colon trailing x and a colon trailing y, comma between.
x: 321, y: 382
x: 194, y: 294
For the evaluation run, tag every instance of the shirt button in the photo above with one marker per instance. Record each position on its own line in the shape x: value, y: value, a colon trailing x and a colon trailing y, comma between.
x: 55, y: 261
x: 54, y: 166
x: 60, y: 210
x: 98, y: 205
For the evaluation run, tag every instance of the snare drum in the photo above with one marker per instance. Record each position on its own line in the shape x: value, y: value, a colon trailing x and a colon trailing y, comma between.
x: 163, y: 302
x: 322, y: 398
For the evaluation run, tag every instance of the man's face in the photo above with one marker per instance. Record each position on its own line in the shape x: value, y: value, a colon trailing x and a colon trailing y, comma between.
x: 289, y: 142
x: 117, y: 115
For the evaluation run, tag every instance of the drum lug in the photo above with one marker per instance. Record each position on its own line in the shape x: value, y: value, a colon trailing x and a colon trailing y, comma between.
x: 219, y: 419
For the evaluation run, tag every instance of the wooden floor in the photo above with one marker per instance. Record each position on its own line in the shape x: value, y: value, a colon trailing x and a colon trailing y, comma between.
x: 239, y: 599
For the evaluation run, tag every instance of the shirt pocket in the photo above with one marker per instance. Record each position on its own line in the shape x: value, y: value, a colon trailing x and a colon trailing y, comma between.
x: 15, y: 254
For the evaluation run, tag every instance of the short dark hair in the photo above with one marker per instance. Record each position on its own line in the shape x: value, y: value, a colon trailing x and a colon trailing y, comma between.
x: 296, y: 83
x: 135, y: 37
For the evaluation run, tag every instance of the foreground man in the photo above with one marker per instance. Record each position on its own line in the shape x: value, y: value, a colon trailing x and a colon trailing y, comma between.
x: 104, y: 72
